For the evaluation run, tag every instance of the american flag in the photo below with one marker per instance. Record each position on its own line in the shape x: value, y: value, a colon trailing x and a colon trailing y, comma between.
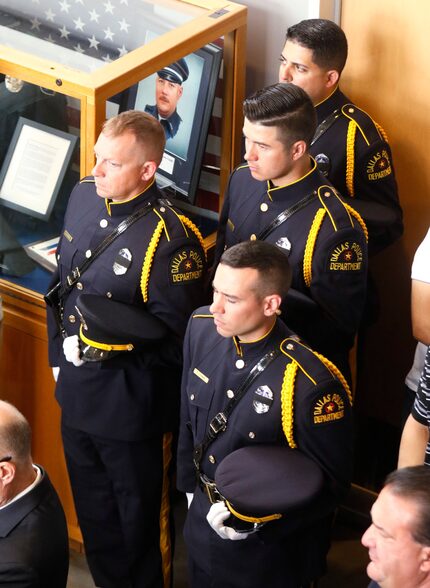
x: 106, y: 29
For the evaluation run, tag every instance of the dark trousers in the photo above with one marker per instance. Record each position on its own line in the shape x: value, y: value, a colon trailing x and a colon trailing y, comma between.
x: 117, y: 491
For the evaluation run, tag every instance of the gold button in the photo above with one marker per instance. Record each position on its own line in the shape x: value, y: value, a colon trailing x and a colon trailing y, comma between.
x: 230, y: 393
x: 240, y: 364
x: 350, y: 110
x: 72, y: 318
x: 103, y: 223
x: 109, y: 294
x: 212, y: 459
x: 88, y: 253
x: 129, y: 347
x: 192, y: 397
x: 253, y: 237
x: 251, y: 435
x: 327, y: 194
x: 290, y: 346
x: 79, y: 286
x: 264, y: 207
x: 162, y: 209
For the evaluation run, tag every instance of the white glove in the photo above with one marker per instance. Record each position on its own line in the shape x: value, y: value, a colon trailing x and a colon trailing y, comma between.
x: 190, y: 496
x: 55, y: 372
x: 216, y: 516
x: 72, y: 350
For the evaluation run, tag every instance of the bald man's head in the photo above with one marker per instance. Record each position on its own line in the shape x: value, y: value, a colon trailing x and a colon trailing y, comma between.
x: 15, y: 434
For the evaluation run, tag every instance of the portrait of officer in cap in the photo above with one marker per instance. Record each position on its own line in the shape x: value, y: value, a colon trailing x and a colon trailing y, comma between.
x: 265, y: 442
x: 168, y: 91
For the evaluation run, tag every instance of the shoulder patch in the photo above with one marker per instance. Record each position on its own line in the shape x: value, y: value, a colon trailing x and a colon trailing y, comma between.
x: 378, y: 165
x: 186, y: 266
x: 345, y: 256
x: 327, y: 408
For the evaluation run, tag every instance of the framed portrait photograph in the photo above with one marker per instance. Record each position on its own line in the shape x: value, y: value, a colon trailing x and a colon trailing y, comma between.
x: 34, y: 168
x: 181, y: 96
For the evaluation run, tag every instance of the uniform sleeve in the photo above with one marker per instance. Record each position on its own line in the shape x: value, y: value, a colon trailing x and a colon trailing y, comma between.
x: 54, y: 337
x: 221, y: 232
x: 176, y: 281
x: 339, y: 277
x: 324, y: 429
x: 17, y: 575
x: 375, y: 182
x: 186, y: 477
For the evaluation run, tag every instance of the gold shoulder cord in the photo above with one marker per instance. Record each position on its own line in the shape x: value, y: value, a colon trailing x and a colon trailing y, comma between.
x: 382, y: 131
x: 189, y: 223
x: 336, y: 372
x: 358, y: 218
x: 149, y: 256
x: 350, y: 142
x: 287, y: 402
x: 310, y: 245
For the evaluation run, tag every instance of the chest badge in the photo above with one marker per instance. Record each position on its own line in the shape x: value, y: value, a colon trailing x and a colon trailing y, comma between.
x: 262, y: 399
x: 323, y: 163
x: 122, y: 262
x: 284, y: 243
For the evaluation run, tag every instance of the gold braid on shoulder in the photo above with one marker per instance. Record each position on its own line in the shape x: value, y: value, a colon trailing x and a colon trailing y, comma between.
x: 287, y: 402
x: 189, y: 223
x: 359, y: 219
x: 350, y: 142
x: 149, y: 256
x: 310, y: 245
x: 336, y: 372
x: 382, y: 131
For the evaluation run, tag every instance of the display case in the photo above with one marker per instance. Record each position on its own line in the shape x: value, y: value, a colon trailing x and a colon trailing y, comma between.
x: 66, y: 66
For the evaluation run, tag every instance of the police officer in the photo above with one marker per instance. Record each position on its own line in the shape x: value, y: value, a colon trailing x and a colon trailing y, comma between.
x: 123, y: 242
x: 249, y: 383
x: 280, y: 196
x: 168, y: 91
x: 351, y: 149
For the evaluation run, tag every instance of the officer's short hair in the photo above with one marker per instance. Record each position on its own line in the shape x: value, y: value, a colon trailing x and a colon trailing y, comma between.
x: 324, y: 38
x: 146, y: 128
x: 15, y: 433
x: 271, y: 263
x: 413, y: 484
x: 286, y: 107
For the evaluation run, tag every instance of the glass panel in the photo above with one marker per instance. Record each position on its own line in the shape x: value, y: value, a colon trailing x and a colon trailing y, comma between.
x: 39, y: 164
x: 86, y: 34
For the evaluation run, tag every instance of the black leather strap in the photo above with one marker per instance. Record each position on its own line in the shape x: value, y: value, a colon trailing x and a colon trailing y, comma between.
x: 326, y: 124
x: 285, y: 215
x: 219, y: 423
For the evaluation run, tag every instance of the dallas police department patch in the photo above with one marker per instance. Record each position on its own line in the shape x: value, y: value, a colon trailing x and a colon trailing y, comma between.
x: 328, y: 408
x: 347, y: 256
x: 262, y: 399
x: 122, y: 262
x: 185, y: 266
x: 379, y: 166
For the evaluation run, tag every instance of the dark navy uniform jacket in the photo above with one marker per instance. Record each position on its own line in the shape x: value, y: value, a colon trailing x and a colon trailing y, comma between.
x: 366, y: 175
x: 321, y: 424
x: 336, y: 274
x: 170, y: 125
x: 156, y: 264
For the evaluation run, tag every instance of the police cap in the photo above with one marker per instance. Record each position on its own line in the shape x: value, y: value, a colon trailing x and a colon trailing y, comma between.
x: 258, y: 481
x: 177, y: 72
x: 112, y: 326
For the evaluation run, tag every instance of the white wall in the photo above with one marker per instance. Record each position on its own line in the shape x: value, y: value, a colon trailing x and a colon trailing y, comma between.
x: 268, y: 21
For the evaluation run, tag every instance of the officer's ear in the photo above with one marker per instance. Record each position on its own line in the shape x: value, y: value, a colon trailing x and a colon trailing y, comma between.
x: 148, y: 170
x: 425, y: 559
x: 7, y: 472
x: 332, y: 78
x: 298, y: 150
x: 272, y: 304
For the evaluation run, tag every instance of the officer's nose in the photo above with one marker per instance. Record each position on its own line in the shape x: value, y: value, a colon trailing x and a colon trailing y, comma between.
x: 97, y: 169
x: 285, y: 74
x: 250, y: 152
x: 216, y: 307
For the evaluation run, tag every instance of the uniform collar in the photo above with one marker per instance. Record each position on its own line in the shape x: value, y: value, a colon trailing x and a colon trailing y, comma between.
x: 115, y: 209
x: 295, y: 189
x: 256, y: 349
x: 329, y: 104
